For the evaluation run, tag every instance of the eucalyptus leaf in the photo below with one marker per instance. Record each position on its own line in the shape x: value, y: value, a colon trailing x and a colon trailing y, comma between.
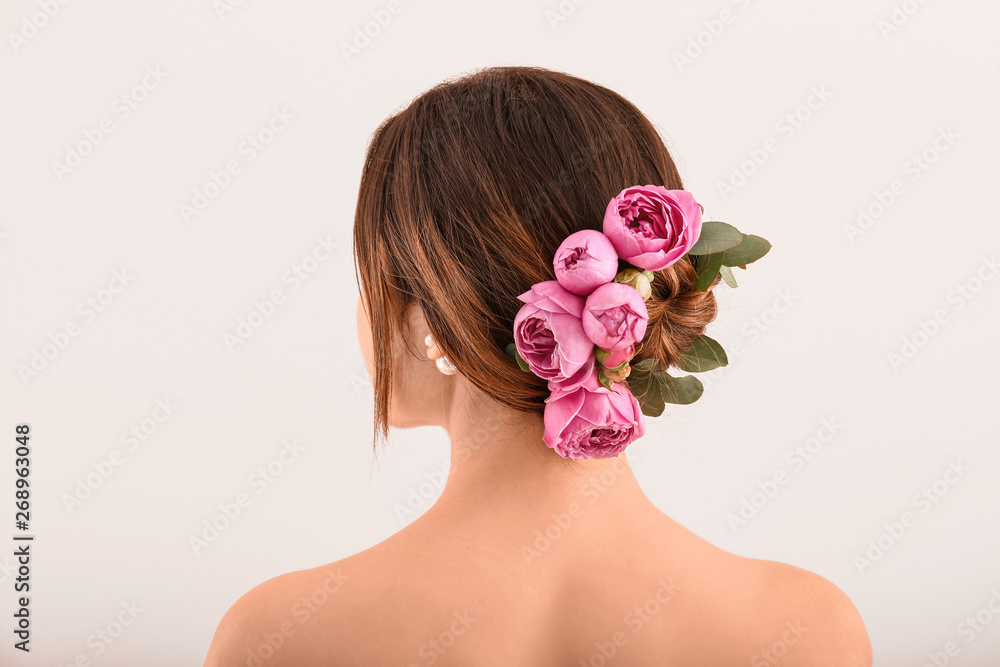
x: 727, y: 274
x: 716, y: 237
x: 750, y: 250
x: 705, y: 354
x: 679, y: 390
x: 522, y: 363
x: 512, y: 352
x: 708, y: 268
x: 645, y: 387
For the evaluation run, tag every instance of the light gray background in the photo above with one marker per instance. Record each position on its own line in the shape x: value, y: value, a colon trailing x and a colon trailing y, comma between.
x: 821, y: 351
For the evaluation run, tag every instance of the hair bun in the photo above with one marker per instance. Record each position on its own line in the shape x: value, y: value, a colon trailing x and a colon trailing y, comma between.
x: 678, y: 311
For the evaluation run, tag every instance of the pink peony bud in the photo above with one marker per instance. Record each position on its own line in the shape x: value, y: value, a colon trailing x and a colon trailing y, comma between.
x: 618, y: 357
x: 585, y: 260
x: 615, y: 317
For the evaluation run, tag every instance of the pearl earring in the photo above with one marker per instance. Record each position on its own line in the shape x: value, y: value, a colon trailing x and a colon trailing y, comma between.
x: 440, y: 359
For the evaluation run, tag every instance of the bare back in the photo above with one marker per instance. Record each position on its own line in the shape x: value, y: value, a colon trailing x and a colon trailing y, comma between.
x: 639, y: 591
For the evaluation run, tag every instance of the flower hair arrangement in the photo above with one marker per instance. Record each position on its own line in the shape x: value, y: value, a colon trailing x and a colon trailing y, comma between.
x: 579, y: 332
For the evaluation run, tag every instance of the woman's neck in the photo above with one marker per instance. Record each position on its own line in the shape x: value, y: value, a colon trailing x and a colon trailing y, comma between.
x: 501, y: 469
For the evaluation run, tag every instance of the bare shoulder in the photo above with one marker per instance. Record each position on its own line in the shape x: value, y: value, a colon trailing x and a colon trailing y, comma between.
x: 276, y: 623
x: 804, y: 619
x: 358, y: 610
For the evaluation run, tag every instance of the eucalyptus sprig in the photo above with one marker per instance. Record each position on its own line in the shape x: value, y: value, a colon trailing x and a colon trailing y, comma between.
x: 653, y: 386
x: 721, y: 247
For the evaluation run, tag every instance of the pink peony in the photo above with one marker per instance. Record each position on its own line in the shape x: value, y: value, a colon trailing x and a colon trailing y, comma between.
x: 615, y: 316
x: 652, y: 227
x: 585, y: 260
x: 591, y: 421
x: 549, y: 335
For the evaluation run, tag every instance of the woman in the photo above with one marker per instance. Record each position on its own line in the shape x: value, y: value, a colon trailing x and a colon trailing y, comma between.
x: 535, y: 553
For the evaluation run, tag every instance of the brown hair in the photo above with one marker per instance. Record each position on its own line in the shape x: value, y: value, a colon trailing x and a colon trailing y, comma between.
x: 467, y: 193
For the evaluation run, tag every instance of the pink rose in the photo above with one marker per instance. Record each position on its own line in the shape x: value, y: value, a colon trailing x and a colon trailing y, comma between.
x: 592, y: 421
x: 585, y: 260
x: 549, y: 335
x: 615, y: 316
x: 652, y: 227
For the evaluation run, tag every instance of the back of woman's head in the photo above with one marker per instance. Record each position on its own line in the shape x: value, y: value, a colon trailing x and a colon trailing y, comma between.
x: 467, y: 193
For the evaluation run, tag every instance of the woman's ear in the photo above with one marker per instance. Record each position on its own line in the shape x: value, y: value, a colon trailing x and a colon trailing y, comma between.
x: 417, y: 328
x: 421, y: 392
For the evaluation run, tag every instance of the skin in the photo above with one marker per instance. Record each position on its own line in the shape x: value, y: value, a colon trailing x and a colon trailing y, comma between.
x: 528, y: 559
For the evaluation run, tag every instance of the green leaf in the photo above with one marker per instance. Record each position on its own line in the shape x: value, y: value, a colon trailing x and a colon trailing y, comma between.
x: 750, y: 250
x: 512, y: 352
x: 705, y: 354
x: 601, y: 355
x: 646, y: 388
x: 727, y: 274
x: 619, y: 367
x: 643, y: 365
x: 680, y: 390
x: 603, y: 380
x: 716, y: 237
x: 708, y: 268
